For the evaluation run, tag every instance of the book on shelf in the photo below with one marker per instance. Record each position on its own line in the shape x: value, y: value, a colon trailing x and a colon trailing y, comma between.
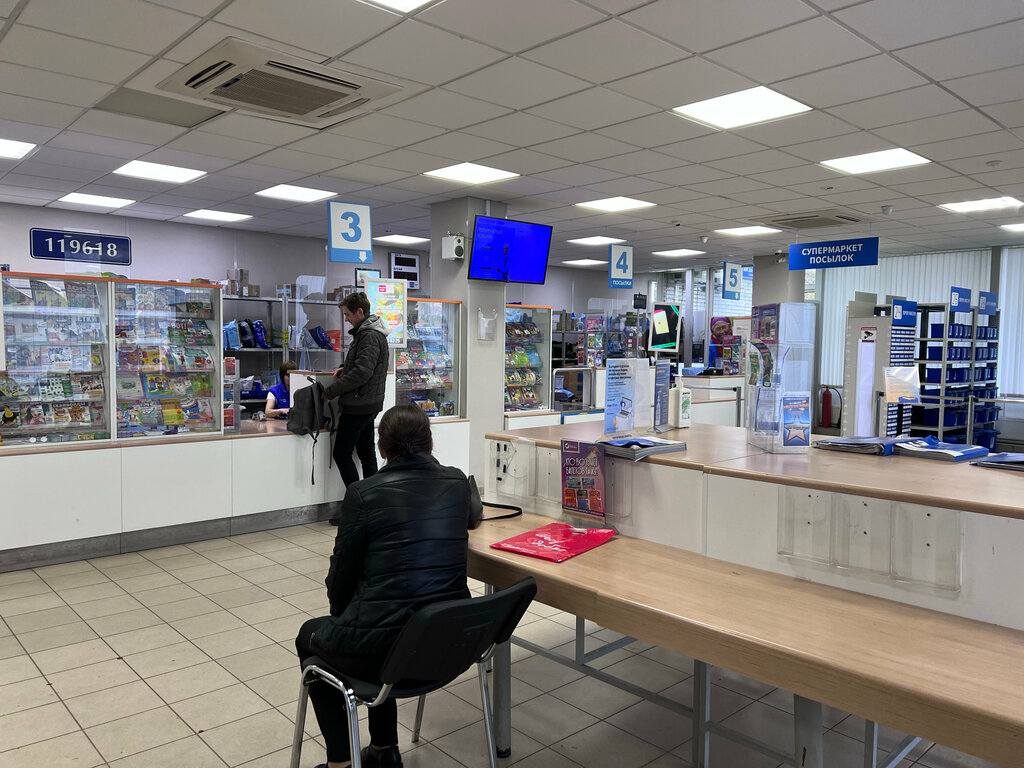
x: 931, y: 448
x: 1014, y: 461
x: 638, y: 445
x: 880, y: 446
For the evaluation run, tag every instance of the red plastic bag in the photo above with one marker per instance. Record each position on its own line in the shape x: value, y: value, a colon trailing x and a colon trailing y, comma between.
x: 555, y: 542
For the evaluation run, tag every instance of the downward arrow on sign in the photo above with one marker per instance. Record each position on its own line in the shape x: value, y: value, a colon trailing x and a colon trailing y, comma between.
x: 362, y: 257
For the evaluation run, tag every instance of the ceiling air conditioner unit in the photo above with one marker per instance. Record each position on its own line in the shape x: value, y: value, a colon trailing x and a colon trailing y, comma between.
x: 832, y: 217
x: 238, y: 74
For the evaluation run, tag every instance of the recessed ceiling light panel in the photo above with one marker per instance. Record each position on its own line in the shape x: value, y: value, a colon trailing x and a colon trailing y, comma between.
x: 98, y: 201
x: 400, y: 239
x: 596, y: 240
x: 209, y: 215
x: 15, y: 150
x: 1013, y: 227
x: 747, y: 231
x: 172, y: 174
x: 296, y: 194
x: 754, y: 105
x: 677, y: 252
x: 873, y: 162
x: 616, y: 204
x: 471, y: 173
x: 584, y: 262
x: 402, y: 6
x: 992, y: 204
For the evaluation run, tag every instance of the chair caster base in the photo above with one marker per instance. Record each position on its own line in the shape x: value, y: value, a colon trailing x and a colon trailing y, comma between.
x: 504, y: 752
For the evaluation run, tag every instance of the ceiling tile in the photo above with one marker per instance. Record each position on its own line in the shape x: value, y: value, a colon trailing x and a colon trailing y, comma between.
x: 629, y: 186
x: 949, y: 126
x: 114, y: 126
x: 682, y: 83
x: 95, y: 61
x: 490, y: 21
x: 209, y: 34
x: 969, y: 54
x: 51, y: 86
x: 265, y: 173
x: 989, y: 88
x: 196, y: 7
x: 36, y: 134
x: 850, y: 82
x: 686, y: 175
x: 795, y: 50
x: 169, y: 156
x: 521, y: 129
x: 901, y: 107
x: 325, y: 26
x: 797, y: 175
x: 656, y: 130
x: 48, y: 171
x: 385, y: 129
x: 446, y: 109
x: 729, y: 186
x: 593, y: 108
x: 703, y: 26
x: 462, y: 147
x: 412, y: 162
x: 1010, y: 114
x: 423, y: 53
x: 767, y: 195
x: 715, y: 146
x: 585, y: 54
x: 27, y: 196
x: 757, y: 162
x: 63, y: 186
x: 839, y: 146
x: 341, y: 147
x: 36, y: 112
x: 298, y: 161
x: 66, y: 158
x: 139, y: 27
x: 1001, y: 161
x: 517, y: 83
x: 970, y: 146
x: 643, y: 161
x: 368, y: 174
x: 584, y: 147
x: 217, y: 145
x: 581, y: 175
x: 259, y: 129
x: 526, y: 161
x: 898, y: 23
x: 808, y: 126
x: 100, y: 145
x: 936, y: 186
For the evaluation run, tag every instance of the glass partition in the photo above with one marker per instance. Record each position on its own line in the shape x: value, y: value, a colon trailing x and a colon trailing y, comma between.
x: 426, y: 371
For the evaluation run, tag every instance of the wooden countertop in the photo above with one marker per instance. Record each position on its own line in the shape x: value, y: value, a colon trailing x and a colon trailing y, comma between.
x: 721, y: 450
x: 952, y: 680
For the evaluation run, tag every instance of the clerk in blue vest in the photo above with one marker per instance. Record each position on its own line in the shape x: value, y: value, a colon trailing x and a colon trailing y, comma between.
x: 278, y: 398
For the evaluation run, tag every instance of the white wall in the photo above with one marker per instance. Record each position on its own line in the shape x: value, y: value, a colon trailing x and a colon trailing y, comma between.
x: 570, y: 289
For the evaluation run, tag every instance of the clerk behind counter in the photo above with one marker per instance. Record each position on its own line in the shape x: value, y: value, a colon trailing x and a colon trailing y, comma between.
x: 278, y: 399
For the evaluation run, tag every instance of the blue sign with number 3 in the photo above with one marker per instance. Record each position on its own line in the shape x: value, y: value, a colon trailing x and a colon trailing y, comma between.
x: 620, y: 266
x: 349, y: 232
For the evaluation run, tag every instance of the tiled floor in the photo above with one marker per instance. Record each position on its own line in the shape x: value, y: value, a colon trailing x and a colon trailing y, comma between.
x: 183, y: 657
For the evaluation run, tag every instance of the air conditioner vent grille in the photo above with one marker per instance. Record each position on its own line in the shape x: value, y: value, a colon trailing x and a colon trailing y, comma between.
x: 268, y: 91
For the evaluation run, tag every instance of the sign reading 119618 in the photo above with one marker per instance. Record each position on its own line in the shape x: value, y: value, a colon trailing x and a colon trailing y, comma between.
x: 62, y: 245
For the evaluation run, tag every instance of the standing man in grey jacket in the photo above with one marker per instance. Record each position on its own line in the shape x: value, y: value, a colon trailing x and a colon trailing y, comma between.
x: 360, y: 386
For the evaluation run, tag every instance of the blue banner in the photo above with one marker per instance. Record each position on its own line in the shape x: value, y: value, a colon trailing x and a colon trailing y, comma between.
x: 904, y: 312
x: 859, y: 252
x: 620, y: 266
x: 349, y: 232
x: 988, y: 303
x: 732, y: 281
x: 662, y: 376
x: 61, y: 245
x: 959, y: 299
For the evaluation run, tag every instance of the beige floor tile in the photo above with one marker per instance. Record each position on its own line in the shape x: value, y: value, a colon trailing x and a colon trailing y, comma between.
x: 326, y: 548
x: 285, y: 628
x: 167, y: 659
x: 443, y: 713
x: 543, y: 674
x: 113, y: 561
x: 312, y: 755
x: 656, y: 725
x: 217, y: 584
x: 162, y: 553
x: 72, y: 656
x: 315, y: 566
x: 229, y: 643
x: 734, y: 681
x: 191, y: 681
x: 469, y: 690
x: 95, y: 677
x: 670, y: 659
x: 73, y: 750
x: 250, y: 737
x: 780, y: 699
x: 225, y: 554
x: 546, y: 633
x: 145, y: 639
x: 266, y: 610
x: 20, y: 605
x: 137, y: 733
x: 266, y: 573
x: 113, y: 703
x: 202, y: 572
x: 164, y: 595
x: 218, y: 707
x: 4, y: 629
x: 121, y: 573
x: 209, y: 545
x: 595, y: 697
x: 73, y: 580
x: 290, y: 586
x: 26, y: 588
x: 547, y: 719
x: 279, y: 688
x: 189, y: 752
x: 548, y: 758
x: 180, y: 562
x: 146, y: 582
x: 247, y: 562
x: 51, y: 617
x: 246, y: 595
x: 108, y: 606
x: 9, y: 646
x: 246, y: 539
x: 724, y: 702
x: 32, y: 725
x: 16, y: 669
x: 208, y: 624
x: 605, y: 746
x: 469, y: 745
x: 118, y: 623
x: 315, y: 602
x: 184, y: 609
x: 288, y: 555
x: 647, y: 673
x: 259, y: 662
x: 944, y: 757
x: 26, y: 694
x: 270, y: 544
x: 61, y: 569
x: 55, y: 637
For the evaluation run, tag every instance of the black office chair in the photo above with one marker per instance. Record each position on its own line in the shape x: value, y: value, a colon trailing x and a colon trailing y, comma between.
x: 440, y: 642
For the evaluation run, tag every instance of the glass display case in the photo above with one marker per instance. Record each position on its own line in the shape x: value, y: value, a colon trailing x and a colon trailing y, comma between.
x: 54, y: 385
x: 168, y: 358
x: 426, y: 371
x: 527, y: 357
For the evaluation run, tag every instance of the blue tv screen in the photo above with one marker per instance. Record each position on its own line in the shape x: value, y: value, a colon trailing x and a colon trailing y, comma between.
x: 509, y: 251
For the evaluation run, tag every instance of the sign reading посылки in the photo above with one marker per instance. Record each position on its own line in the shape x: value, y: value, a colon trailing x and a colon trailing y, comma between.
x: 860, y: 252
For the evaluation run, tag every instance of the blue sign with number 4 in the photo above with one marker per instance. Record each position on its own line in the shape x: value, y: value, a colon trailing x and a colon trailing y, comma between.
x: 620, y: 266
x: 349, y: 233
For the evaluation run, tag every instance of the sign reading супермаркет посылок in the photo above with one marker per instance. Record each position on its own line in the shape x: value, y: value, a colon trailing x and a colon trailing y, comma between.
x: 859, y: 252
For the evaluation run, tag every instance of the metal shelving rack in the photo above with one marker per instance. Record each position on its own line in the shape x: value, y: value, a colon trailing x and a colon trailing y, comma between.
x: 944, y: 371
x: 325, y: 358
x: 250, y: 361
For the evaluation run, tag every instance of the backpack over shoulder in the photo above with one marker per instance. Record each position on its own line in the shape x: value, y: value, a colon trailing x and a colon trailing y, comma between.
x: 310, y: 415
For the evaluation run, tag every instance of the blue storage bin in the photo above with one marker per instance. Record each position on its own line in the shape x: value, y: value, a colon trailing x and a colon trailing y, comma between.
x: 932, y: 375
x: 986, y: 438
x: 937, y: 331
x: 953, y: 439
x: 934, y: 353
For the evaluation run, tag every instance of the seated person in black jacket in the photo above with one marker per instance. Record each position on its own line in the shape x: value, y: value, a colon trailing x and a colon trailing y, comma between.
x: 401, y: 544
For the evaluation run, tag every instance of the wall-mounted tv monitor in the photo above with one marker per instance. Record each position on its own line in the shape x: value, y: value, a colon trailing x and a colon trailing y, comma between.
x: 509, y: 251
x: 665, y: 328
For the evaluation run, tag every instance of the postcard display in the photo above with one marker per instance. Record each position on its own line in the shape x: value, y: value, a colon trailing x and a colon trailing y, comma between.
x: 425, y: 371
x: 91, y: 358
x: 527, y: 357
x: 780, y: 364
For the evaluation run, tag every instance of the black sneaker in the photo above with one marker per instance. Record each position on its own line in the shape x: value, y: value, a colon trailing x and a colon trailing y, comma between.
x: 334, y: 520
x: 381, y: 758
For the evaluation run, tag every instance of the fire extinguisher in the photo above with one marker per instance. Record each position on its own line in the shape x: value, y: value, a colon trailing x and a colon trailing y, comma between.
x: 826, y: 406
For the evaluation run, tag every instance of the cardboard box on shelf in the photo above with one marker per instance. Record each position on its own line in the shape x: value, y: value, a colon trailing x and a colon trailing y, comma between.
x: 232, y: 288
x: 239, y: 275
x: 254, y: 291
x: 286, y: 289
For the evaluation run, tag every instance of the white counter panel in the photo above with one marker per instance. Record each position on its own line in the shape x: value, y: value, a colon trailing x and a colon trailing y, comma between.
x: 273, y: 473
x: 451, y: 444
x: 60, y: 496
x: 525, y: 422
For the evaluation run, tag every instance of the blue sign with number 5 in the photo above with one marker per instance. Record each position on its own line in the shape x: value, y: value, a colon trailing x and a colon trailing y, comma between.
x: 732, y: 281
x: 620, y: 266
x: 349, y: 233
